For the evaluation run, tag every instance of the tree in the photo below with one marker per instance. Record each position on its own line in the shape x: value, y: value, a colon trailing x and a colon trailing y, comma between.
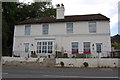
x: 8, y: 22
x: 116, y: 45
x: 14, y: 12
x: 35, y: 10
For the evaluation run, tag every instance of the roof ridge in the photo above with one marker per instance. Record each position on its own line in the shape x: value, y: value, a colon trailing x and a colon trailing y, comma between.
x: 85, y: 14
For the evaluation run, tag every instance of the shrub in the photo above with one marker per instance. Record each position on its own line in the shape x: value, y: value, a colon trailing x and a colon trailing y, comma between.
x: 62, y: 64
x: 80, y: 56
x: 65, y: 55
x: 73, y: 56
x: 108, y: 66
x: 98, y: 66
x: 33, y: 55
x: 85, y: 64
x: 105, y: 66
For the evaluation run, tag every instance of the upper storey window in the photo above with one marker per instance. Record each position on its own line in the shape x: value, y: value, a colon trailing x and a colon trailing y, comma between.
x: 92, y: 27
x: 45, y: 28
x: 27, y: 29
x: 69, y: 27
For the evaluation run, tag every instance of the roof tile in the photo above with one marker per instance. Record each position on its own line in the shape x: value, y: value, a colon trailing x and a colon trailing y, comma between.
x: 74, y: 18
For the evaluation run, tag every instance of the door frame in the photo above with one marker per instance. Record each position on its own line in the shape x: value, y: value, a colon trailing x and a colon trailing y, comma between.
x: 26, y: 45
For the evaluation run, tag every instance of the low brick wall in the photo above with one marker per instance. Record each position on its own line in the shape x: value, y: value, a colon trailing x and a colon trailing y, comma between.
x: 102, y: 62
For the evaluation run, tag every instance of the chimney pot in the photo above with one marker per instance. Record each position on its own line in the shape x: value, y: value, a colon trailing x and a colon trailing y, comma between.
x: 58, y: 5
x: 62, y: 5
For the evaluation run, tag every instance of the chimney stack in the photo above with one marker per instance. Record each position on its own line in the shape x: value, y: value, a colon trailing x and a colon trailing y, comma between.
x: 60, y: 11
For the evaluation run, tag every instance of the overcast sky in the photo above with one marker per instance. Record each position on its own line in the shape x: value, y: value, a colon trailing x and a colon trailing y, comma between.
x: 108, y: 8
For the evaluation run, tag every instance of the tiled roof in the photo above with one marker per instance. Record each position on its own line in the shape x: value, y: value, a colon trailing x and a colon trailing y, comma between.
x: 74, y: 18
x: 115, y: 38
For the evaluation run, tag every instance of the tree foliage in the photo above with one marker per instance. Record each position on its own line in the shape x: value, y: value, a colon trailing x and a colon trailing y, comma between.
x: 116, y: 45
x: 14, y: 12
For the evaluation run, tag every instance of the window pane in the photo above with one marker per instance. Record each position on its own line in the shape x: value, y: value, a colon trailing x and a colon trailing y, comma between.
x: 74, y: 47
x: 39, y: 51
x: 45, y: 28
x: 74, y: 51
x: 43, y: 43
x: 49, y: 47
x: 44, y: 47
x: 69, y: 27
x: 38, y: 43
x: 50, y: 43
x: 92, y: 27
x: 38, y: 47
x: 49, y: 51
x: 87, y: 47
x: 27, y: 29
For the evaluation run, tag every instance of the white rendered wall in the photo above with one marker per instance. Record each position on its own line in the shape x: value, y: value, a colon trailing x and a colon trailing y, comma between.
x: 60, y: 28
x: 57, y: 32
x: 109, y: 62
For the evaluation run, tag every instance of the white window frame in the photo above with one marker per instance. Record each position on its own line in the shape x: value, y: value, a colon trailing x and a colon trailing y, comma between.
x: 77, y: 47
x: 87, y: 49
x: 45, y: 29
x: 45, y: 48
x: 92, y: 27
x: 50, y: 47
x: 69, y: 29
x: 39, y: 47
x: 27, y: 30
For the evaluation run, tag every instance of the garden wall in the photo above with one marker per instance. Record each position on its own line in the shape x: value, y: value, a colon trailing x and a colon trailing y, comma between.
x: 102, y: 62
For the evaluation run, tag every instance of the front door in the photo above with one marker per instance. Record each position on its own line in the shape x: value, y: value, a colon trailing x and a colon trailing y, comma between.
x: 26, y: 50
x: 99, y: 49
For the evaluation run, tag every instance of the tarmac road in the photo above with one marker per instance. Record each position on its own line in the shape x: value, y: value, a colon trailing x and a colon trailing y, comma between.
x: 19, y: 72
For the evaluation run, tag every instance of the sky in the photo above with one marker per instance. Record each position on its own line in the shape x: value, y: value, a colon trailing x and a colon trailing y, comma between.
x: 108, y: 8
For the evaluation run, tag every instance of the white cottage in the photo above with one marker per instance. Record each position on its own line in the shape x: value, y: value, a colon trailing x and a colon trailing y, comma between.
x: 63, y: 35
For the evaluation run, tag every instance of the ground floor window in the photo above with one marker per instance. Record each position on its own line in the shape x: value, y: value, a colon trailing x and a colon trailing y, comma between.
x: 86, y: 47
x: 45, y: 47
x: 74, y: 47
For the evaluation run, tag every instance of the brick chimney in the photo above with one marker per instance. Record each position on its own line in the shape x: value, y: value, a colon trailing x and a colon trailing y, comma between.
x: 60, y: 11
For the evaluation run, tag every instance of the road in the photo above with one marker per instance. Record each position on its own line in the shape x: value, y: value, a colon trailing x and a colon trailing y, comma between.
x: 17, y: 72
